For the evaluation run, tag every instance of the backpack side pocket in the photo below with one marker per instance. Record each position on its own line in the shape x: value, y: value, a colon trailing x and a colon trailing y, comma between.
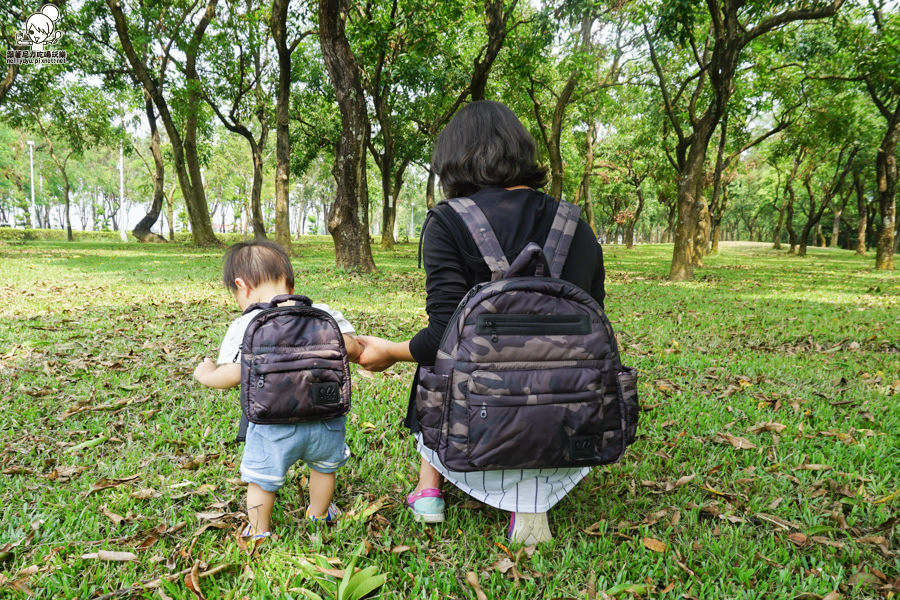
x: 430, y: 393
x: 626, y: 388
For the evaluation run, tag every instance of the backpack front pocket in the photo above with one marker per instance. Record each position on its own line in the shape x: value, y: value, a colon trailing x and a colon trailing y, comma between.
x: 282, y: 387
x: 532, y: 418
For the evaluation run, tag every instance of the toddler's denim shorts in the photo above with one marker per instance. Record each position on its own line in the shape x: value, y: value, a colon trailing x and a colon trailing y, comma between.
x: 270, y: 450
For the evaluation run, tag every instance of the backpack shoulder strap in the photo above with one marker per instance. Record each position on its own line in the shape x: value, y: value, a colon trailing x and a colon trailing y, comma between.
x: 562, y: 231
x: 483, y: 235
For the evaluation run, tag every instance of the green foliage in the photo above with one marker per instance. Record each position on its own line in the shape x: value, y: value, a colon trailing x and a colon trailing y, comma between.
x: 100, y: 338
x: 353, y: 585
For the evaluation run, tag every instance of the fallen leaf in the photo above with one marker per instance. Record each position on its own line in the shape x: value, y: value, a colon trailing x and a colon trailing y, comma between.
x: 770, y: 426
x: 682, y: 481
x: 813, y: 467
x: 797, y: 538
x: 503, y: 565
x: 109, y: 555
x: 336, y: 573
x: 108, y: 483
x: 17, y: 470
x: 400, y: 549
x: 828, y: 542
x: 116, y: 519
x: 144, y: 494
x: 654, y: 544
x: 878, y: 540
x: 736, y: 441
x: 786, y: 525
x: 472, y: 580
x: 192, y: 581
x: 64, y: 474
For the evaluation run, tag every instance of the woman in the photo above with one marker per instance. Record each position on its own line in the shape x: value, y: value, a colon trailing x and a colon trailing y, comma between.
x: 486, y: 154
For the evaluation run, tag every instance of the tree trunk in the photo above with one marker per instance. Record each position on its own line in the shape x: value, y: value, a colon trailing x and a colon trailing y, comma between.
x: 811, y: 220
x: 886, y: 179
x: 429, y: 190
x: 717, y: 204
x: 716, y: 224
x: 495, y: 26
x: 170, y: 212
x: 69, y: 236
x: 282, y: 121
x: 670, y: 217
x: 7, y: 82
x: 184, y: 148
x: 789, y: 209
x: 820, y: 236
x: 629, y: 227
x: 256, y: 216
x: 728, y: 37
x: 554, y: 141
x: 836, y: 228
x: 387, y: 204
x: 861, y: 209
x: 583, y: 192
x: 690, y: 181
x: 833, y: 187
x: 143, y: 230
x: 776, y: 233
x: 351, y: 236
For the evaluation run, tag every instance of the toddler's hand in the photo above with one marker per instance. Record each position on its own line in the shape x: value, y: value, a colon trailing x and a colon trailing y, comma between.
x: 204, y: 369
x: 375, y: 354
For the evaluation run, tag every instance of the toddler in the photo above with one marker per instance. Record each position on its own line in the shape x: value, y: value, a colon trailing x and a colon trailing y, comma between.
x: 257, y: 271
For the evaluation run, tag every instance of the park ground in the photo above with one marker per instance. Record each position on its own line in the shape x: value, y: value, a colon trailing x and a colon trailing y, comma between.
x: 767, y: 463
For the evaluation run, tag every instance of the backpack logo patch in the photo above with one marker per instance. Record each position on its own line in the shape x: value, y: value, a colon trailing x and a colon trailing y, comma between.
x: 581, y: 447
x: 328, y: 392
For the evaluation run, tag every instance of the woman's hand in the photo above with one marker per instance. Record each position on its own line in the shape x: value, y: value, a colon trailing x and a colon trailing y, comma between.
x: 379, y: 354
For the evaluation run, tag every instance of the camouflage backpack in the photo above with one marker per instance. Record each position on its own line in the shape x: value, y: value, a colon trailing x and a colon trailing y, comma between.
x: 294, y: 365
x: 528, y: 373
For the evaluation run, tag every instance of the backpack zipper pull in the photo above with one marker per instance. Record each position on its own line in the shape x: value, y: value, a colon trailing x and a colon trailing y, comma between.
x: 484, y: 411
x: 261, y: 381
x: 493, y: 325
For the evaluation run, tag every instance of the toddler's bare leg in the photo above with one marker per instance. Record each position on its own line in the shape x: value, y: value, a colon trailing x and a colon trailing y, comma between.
x: 259, y: 507
x: 321, y: 491
x: 429, y: 477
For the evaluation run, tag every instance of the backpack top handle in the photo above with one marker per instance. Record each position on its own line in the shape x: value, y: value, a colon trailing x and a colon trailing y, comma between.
x: 303, y: 300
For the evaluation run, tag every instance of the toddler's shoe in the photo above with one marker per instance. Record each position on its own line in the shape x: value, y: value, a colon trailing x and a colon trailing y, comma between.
x: 529, y: 529
x: 331, y: 516
x: 427, y: 505
x: 248, y: 534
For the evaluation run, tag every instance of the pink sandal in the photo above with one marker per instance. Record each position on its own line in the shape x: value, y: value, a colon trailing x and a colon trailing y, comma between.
x: 427, y: 505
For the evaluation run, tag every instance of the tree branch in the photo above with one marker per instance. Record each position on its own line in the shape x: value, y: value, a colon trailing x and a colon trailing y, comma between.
x: 790, y: 16
x: 663, y: 87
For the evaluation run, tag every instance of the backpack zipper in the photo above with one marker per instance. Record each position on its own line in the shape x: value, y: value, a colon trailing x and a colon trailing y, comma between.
x: 520, y: 324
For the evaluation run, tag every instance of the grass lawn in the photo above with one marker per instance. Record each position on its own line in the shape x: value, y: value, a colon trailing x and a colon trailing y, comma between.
x: 767, y: 463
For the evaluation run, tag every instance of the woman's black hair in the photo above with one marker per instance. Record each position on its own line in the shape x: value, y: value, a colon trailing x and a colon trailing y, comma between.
x: 485, y: 145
